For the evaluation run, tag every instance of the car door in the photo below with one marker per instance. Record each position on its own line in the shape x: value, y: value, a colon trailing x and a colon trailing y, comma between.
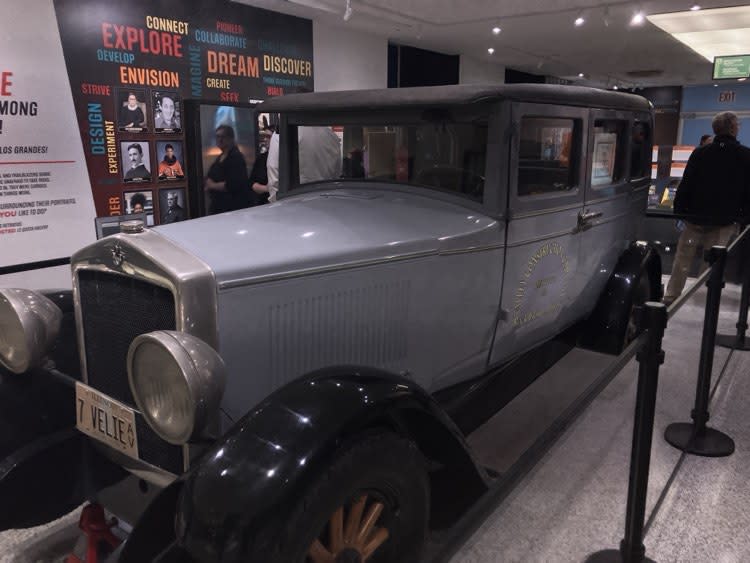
x: 541, y: 280
x: 607, y: 196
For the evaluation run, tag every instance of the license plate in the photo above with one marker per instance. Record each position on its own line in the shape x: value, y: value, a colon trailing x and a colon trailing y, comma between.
x: 106, y: 420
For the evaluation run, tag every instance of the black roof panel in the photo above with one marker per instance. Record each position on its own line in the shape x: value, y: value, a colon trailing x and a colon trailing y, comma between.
x: 437, y: 96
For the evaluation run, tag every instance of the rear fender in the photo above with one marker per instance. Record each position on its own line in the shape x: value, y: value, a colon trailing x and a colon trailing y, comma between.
x: 260, y: 469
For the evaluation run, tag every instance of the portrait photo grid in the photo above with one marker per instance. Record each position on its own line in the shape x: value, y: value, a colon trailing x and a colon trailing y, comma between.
x: 151, y: 151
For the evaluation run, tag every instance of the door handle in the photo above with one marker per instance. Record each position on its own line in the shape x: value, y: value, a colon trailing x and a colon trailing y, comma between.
x: 585, y: 218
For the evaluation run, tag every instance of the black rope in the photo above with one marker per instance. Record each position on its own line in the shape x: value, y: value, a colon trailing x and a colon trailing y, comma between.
x: 30, y: 266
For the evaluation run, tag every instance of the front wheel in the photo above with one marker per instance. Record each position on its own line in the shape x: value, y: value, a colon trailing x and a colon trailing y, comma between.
x: 370, y: 506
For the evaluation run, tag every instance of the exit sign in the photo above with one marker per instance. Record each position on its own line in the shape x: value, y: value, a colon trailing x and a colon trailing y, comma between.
x: 737, y: 66
x: 727, y: 97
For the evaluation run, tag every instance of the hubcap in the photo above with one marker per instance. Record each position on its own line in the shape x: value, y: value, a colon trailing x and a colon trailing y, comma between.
x: 349, y: 555
x: 353, y: 539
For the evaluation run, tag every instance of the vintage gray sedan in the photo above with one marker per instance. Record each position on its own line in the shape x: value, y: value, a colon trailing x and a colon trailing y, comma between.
x: 295, y: 380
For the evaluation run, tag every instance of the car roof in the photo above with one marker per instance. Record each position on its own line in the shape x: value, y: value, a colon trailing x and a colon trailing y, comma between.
x: 455, y: 95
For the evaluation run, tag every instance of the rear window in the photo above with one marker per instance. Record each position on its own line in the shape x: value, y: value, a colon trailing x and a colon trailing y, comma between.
x: 548, y: 155
x: 447, y: 156
x: 609, y: 153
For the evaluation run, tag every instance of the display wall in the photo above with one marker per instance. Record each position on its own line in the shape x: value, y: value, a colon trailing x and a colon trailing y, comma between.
x: 701, y: 103
x: 46, y: 210
x: 475, y: 71
x: 346, y: 59
x: 132, y: 65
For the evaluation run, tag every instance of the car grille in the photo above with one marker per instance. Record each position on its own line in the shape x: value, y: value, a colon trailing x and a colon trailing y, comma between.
x: 114, y: 310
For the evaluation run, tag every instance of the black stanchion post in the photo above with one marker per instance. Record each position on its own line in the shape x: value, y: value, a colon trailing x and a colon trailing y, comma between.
x: 696, y: 437
x: 738, y: 341
x: 650, y: 357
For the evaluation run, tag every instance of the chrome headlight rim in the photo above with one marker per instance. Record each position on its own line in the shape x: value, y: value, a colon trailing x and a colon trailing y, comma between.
x: 201, y: 374
x: 36, y: 320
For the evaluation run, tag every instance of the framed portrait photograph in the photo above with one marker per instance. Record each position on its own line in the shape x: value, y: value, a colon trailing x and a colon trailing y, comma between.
x: 172, y: 205
x: 132, y: 110
x: 140, y: 202
x: 167, y: 112
x: 171, y: 164
x: 136, y: 161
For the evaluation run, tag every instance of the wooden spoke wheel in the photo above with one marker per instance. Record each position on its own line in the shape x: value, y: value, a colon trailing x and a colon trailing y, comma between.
x: 370, y: 505
x: 353, y: 534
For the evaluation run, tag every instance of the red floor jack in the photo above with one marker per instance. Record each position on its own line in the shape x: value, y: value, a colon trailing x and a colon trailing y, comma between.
x: 98, y: 534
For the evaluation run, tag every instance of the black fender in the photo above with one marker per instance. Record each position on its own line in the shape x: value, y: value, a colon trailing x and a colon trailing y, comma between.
x: 47, y: 467
x: 257, y: 473
x: 604, y: 330
x: 32, y: 405
x: 65, y: 351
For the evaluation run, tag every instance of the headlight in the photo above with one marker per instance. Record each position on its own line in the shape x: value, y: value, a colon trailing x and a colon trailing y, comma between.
x: 29, y: 323
x: 177, y: 381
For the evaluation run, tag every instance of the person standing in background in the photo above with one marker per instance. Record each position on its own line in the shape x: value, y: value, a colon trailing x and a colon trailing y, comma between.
x: 319, y: 157
x: 714, y: 193
x: 259, y: 173
x: 226, y: 182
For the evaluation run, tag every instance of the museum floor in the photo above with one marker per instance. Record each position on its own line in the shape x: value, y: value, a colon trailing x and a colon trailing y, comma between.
x: 571, y: 502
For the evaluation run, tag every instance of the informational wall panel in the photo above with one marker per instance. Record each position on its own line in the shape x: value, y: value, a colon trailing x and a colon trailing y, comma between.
x: 46, y: 209
x: 133, y: 64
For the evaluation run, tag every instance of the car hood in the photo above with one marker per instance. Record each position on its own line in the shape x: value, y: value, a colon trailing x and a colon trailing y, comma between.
x: 328, y: 229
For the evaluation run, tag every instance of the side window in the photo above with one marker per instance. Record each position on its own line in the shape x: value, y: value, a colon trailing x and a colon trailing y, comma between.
x: 548, y: 155
x: 609, y: 153
x: 640, y: 154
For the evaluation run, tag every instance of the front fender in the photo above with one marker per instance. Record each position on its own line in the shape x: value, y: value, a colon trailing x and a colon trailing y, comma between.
x: 47, y: 467
x: 32, y: 405
x: 260, y: 470
x: 604, y: 330
x: 65, y: 351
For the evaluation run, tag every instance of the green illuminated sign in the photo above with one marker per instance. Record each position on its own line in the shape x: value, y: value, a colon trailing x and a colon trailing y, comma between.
x: 737, y: 66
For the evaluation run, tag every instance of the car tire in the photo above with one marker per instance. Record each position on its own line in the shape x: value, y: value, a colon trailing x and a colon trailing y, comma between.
x: 371, y: 505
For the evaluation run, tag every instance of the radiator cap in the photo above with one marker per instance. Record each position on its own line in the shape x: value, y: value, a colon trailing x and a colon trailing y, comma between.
x: 132, y: 227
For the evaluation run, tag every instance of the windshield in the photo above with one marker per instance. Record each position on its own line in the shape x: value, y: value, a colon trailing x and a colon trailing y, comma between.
x: 445, y: 156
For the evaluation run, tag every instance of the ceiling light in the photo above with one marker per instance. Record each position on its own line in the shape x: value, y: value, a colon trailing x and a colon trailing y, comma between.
x: 490, y: 50
x: 716, y: 85
x: 615, y: 87
x: 496, y: 30
x: 580, y: 20
x: 741, y: 79
x: 695, y: 8
x: 638, y: 18
x: 580, y: 75
x: 709, y: 32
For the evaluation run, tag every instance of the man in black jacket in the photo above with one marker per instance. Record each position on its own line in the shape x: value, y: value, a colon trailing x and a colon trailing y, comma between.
x: 226, y: 181
x: 713, y: 196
